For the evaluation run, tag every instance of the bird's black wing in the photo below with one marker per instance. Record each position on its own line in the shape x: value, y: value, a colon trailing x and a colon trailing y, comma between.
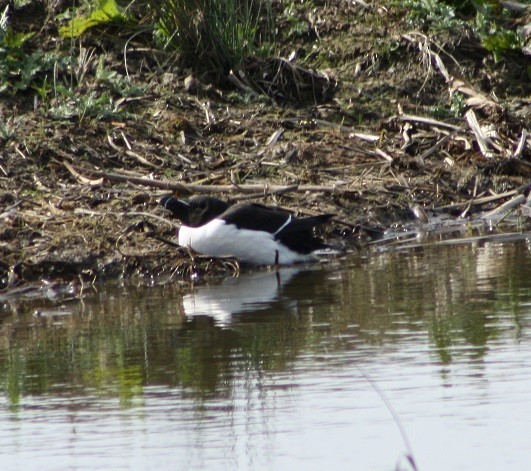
x: 295, y: 233
x: 256, y: 217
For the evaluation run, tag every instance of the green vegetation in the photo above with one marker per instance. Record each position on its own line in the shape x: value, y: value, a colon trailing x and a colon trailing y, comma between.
x: 106, y: 13
x: 213, y: 36
x: 486, y: 18
x: 495, y: 36
x: 58, y: 76
x: 18, y: 67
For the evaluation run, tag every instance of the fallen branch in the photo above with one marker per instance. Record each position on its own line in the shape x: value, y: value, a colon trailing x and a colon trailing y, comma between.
x: 502, y: 209
x: 81, y: 178
x: 265, y: 188
x: 90, y: 212
x: 343, y: 129
x: 252, y: 196
x: 483, y: 140
x: 436, y: 146
x: 430, y: 121
x: 478, y: 201
x: 475, y: 99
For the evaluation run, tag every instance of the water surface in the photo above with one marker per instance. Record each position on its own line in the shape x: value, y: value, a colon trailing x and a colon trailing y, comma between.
x: 281, y: 370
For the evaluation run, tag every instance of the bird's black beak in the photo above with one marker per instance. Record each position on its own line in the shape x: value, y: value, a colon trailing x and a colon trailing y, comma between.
x: 165, y: 200
x: 180, y: 209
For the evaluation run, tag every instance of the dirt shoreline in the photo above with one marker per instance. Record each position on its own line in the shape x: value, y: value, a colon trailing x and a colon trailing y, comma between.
x: 79, y: 192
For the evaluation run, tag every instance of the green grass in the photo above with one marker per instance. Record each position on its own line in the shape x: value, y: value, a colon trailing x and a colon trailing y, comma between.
x: 213, y: 36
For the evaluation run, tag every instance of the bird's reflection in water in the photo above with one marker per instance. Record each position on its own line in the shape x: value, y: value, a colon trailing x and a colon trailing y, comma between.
x: 251, y: 293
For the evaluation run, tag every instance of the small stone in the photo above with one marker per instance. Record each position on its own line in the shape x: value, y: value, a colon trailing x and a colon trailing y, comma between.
x: 190, y: 84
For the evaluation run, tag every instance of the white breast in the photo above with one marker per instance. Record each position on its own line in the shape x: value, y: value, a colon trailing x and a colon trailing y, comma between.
x: 218, y: 239
x: 247, y: 293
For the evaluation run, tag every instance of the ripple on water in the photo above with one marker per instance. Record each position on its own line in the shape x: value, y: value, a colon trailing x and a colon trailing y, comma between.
x: 131, y: 380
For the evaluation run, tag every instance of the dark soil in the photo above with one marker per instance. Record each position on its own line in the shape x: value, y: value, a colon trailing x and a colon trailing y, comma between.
x: 341, y: 131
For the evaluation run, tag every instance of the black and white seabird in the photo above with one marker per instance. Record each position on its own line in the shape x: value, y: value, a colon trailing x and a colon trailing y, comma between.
x: 252, y: 233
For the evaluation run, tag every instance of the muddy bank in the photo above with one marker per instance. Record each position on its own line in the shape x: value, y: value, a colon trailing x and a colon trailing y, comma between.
x: 405, y: 119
